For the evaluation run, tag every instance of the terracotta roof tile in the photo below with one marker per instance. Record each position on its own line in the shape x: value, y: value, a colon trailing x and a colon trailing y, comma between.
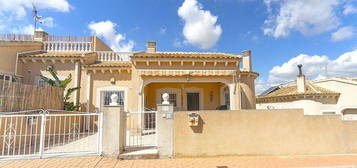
x: 121, y: 64
x: 291, y: 90
x: 56, y: 54
x: 185, y: 55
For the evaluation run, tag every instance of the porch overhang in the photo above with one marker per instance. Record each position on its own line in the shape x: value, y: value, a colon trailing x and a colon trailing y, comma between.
x: 156, y: 72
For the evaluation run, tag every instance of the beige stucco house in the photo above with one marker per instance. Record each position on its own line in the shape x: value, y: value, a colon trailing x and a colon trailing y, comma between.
x: 194, y: 80
x: 317, y: 97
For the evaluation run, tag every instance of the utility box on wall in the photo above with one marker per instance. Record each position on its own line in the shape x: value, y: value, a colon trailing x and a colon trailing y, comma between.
x: 193, y: 119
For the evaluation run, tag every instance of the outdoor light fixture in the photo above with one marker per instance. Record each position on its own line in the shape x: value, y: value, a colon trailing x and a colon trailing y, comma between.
x: 188, y: 77
x: 112, y: 80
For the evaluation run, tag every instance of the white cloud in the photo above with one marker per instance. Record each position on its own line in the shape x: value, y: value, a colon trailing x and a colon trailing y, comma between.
x: 350, y: 9
x: 48, y: 22
x: 19, y: 7
x: 343, y: 33
x: 177, y: 43
x: 261, y: 85
x: 106, y: 29
x: 163, y: 31
x: 13, y: 12
x: 305, y: 16
x: 29, y: 29
x: 314, y: 67
x: 200, y: 27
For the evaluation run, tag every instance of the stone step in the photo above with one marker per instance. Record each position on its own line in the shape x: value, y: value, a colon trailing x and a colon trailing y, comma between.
x: 151, y: 153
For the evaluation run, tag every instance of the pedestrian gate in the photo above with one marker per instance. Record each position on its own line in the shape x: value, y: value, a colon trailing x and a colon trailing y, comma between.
x: 141, y: 129
x: 49, y: 133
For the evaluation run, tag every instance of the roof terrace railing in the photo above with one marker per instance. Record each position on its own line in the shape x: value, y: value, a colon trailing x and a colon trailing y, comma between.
x: 68, y: 43
x: 67, y: 46
x: 16, y: 37
x: 113, y: 56
x: 70, y: 38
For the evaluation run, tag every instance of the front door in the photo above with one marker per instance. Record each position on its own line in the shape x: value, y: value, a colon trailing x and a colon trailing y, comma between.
x: 193, y: 101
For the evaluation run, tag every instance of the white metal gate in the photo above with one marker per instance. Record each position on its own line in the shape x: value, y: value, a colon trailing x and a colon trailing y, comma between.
x: 49, y: 133
x: 141, y: 129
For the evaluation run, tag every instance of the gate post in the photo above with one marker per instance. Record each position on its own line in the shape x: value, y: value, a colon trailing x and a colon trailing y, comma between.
x: 113, y: 131
x: 165, y: 130
x: 42, y: 133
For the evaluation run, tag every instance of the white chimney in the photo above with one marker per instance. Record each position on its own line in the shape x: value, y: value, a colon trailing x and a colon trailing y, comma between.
x: 300, y: 81
x: 151, y: 47
x: 247, y: 60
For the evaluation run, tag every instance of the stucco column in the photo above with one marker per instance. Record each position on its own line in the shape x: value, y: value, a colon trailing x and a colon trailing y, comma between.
x: 89, y: 90
x: 165, y: 130
x: 113, y: 130
x: 248, y: 92
x: 234, y: 96
x: 77, y: 81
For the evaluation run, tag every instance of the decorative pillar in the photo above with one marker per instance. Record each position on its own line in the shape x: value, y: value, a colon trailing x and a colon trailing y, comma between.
x: 77, y: 81
x: 113, y: 128
x: 234, y: 96
x: 165, y: 127
x: 141, y: 94
x: 89, y: 90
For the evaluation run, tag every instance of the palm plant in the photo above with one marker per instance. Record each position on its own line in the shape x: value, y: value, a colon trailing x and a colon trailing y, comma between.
x: 56, y: 82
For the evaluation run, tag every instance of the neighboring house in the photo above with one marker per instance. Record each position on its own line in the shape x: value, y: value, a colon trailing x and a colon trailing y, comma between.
x: 316, y: 97
x: 194, y: 80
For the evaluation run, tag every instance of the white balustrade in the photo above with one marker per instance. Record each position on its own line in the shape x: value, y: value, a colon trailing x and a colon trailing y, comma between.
x: 67, y: 46
x: 113, y: 56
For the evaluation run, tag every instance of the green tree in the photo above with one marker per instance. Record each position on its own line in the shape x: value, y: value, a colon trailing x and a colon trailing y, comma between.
x: 56, y: 82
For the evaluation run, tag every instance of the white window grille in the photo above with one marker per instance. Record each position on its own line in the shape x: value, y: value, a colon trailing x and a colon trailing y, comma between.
x: 172, y: 99
x: 4, y: 77
x: 107, y: 99
x: 328, y: 113
x: 42, y: 83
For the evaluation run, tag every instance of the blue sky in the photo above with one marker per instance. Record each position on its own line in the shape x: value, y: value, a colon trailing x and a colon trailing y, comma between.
x: 280, y: 33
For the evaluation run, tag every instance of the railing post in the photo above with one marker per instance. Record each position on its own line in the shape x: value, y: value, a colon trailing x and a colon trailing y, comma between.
x: 42, y: 133
x: 100, y: 134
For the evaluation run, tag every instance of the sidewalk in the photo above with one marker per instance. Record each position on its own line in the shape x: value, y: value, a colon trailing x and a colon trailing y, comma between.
x: 214, y: 162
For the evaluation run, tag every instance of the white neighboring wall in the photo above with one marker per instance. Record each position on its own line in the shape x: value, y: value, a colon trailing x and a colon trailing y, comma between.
x: 311, y: 107
x: 347, y: 88
x: 348, y: 98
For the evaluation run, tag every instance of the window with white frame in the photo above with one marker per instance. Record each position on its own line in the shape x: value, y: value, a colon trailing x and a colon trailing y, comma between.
x: 40, y: 82
x: 172, y: 99
x: 107, y: 99
x: 10, y: 78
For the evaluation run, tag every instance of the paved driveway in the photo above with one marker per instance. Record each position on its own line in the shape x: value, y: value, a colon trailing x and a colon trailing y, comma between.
x: 214, y: 162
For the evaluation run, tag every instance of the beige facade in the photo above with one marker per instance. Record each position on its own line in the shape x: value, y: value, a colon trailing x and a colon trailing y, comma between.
x: 195, y: 81
x: 262, y: 132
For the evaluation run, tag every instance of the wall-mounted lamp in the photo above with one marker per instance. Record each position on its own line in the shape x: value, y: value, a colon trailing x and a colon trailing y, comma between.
x: 112, y: 80
x: 188, y: 77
